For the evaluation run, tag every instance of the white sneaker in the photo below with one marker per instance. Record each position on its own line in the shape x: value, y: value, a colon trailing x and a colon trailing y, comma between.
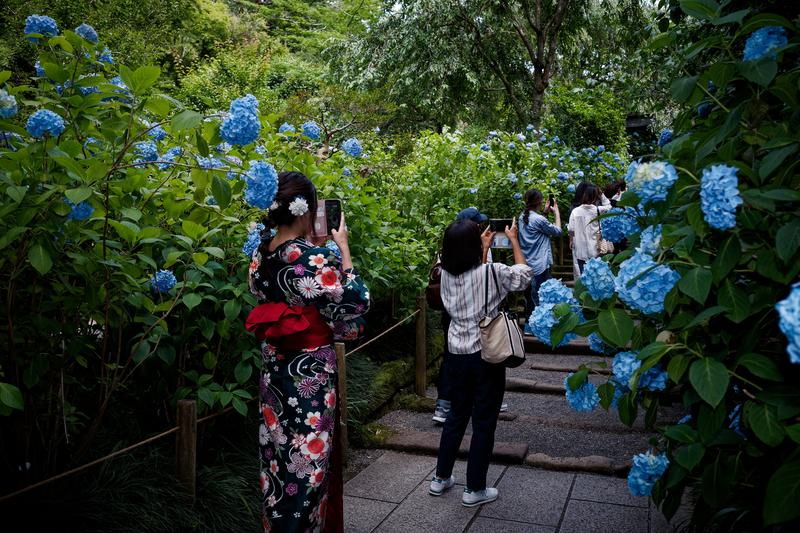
x: 504, y: 407
x: 478, y: 497
x: 439, y: 485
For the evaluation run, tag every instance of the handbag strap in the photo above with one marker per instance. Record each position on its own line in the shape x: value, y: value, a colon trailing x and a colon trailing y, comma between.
x: 599, y: 224
x: 486, y: 292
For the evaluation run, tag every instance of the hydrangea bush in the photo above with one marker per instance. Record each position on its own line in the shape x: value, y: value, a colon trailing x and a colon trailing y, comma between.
x: 705, y: 309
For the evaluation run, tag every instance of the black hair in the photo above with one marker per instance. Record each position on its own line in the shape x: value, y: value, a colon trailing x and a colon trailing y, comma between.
x: 611, y: 189
x: 591, y: 194
x: 577, y: 199
x: 290, y: 186
x: 461, y: 247
x: 533, y: 201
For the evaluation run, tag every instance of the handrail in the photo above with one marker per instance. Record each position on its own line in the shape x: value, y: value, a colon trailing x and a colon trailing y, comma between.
x: 373, y: 339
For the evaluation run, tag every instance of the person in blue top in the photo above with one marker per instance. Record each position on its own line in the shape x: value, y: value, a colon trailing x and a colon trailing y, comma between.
x: 535, y: 232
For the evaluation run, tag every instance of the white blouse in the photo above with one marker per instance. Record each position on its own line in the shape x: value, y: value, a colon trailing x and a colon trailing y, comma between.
x: 584, y: 230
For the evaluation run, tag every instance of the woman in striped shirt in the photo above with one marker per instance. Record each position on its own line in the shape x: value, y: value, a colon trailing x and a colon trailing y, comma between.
x: 479, y: 386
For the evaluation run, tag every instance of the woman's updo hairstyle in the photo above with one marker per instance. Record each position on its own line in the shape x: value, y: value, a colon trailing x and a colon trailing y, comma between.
x: 290, y: 186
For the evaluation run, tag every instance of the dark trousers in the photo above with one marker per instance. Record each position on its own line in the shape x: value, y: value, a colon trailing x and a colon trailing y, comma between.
x: 445, y: 385
x: 477, y: 394
x: 532, y: 296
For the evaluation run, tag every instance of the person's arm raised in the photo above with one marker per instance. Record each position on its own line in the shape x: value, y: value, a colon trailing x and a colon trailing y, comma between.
x: 341, y: 239
x: 513, y: 236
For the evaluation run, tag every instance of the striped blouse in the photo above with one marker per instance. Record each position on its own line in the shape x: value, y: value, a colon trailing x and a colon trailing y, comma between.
x: 463, y: 298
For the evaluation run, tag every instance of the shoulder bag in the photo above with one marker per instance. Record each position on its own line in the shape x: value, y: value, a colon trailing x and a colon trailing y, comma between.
x: 501, y: 339
x: 603, y: 246
x: 433, y: 292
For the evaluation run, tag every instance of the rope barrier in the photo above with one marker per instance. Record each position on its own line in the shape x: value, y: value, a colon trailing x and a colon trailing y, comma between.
x: 373, y: 339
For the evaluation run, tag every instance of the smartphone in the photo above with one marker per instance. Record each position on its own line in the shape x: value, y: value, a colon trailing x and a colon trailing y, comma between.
x: 328, y: 217
x: 499, y: 225
x: 550, y: 200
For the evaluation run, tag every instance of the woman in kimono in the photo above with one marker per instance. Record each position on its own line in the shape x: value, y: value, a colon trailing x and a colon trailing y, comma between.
x: 308, y: 297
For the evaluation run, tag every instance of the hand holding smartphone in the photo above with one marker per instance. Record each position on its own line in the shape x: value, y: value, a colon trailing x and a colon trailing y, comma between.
x: 328, y: 217
x: 499, y: 225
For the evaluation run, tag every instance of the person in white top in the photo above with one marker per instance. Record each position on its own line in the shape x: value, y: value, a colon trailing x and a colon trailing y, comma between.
x: 584, y: 226
x: 478, y: 385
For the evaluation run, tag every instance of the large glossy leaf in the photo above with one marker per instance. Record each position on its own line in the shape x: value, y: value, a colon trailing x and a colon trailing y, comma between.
x: 616, y: 326
x: 782, y: 500
x: 40, y: 259
x: 710, y: 379
x: 763, y: 420
x: 689, y: 456
x: 696, y: 283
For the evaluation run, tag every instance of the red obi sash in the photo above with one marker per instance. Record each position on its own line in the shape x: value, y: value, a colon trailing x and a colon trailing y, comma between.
x: 289, y: 327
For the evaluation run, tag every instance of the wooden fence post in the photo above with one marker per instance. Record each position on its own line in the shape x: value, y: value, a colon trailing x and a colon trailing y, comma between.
x: 341, y: 398
x: 186, y: 445
x: 421, y: 359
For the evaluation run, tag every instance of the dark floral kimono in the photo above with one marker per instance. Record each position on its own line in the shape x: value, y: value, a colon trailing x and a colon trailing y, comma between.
x: 298, y: 387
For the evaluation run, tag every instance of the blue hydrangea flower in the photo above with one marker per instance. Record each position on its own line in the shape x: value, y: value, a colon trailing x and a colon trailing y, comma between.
x: 45, y: 121
x: 553, y: 291
x: 651, y: 181
x: 650, y: 240
x: 79, y: 212
x: 600, y: 149
x: 311, y: 130
x: 597, y: 345
x: 512, y: 178
x: 210, y: 200
x: 473, y: 190
x: 169, y: 157
x: 222, y: 148
x: 346, y: 172
x: 643, y: 284
x: 654, y: 378
x: 529, y: 127
x: 8, y: 105
x: 585, y: 398
x: 261, y: 184
x: 646, y: 470
x: 39, y: 70
x: 286, y: 128
x: 735, y: 421
x: 544, y: 165
x: 87, y: 32
x: 704, y: 109
x: 352, y: 147
x: 521, y: 137
x: 106, y: 57
x: 485, y: 147
x: 665, y: 137
x: 147, y: 151
x: 464, y: 150
x: 563, y: 176
x: 253, y: 240
x: 623, y: 367
x: 580, y: 173
x: 518, y: 196
x: 541, y: 322
x: 240, y: 127
x: 685, y: 420
x: 571, y: 188
x: 789, y: 313
x: 163, y: 281
x: 719, y: 196
x: 511, y: 146
x: 6, y: 137
x: 247, y: 103
x: 763, y: 42
x: 616, y: 224
x: 209, y: 163
x: 87, y: 90
x: 556, y: 139
x: 40, y: 24
x: 91, y: 142
x: 492, y: 134
x: 598, y: 279
x: 524, y: 173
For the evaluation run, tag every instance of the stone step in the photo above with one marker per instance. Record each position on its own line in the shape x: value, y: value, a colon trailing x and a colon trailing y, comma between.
x: 530, y: 385
x: 552, y: 367
x: 578, y: 346
x: 427, y: 442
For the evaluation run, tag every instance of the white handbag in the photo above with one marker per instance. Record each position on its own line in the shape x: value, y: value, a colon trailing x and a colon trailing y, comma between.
x: 501, y: 338
x: 603, y: 246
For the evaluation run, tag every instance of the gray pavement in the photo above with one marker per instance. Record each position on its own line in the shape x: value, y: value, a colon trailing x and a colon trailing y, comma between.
x: 391, y: 495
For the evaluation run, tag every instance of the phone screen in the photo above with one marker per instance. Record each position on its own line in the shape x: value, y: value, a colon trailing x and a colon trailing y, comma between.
x: 327, y: 217
x: 499, y: 224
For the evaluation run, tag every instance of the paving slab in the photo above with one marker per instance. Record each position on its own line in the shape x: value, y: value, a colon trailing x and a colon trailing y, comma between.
x: 493, y: 474
x: 589, y: 517
x: 605, y: 489
x: 391, y: 478
x: 362, y: 515
x: 484, y: 524
x: 579, y: 346
x: 427, y: 442
x: 423, y: 512
x: 531, y: 496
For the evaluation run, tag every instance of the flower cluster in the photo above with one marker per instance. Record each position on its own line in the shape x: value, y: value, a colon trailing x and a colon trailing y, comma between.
x: 80, y: 212
x: 241, y: 126
x: 623, y: 367
x: 651, y: 181
x: 719, y: 196
x: 583, y: 399
x: 156, y: 132
x: 8, y: 105
x: 598, y: 279
x: 643, y: 284
x: 646, y: 470
x: 169, y: 157
x: 87, y: 32
x: 764, y: 42
x: 352, y: 147
x: 40, y: 24
x: 163, y: 281
x: 261, y: 184
x: 655, y: 378
x: 789, y: 312
x: 650, y: 240
x: 147, y: 151
x: 105, y: 56
x: 253, y: 240
x: 665, y: 137
x: 286, y: 128
x: 209, y: 163
x: 311, y: 130
x: 541, y: 323
x: 617, y: 224
x: 45, y: 121
x: 597, y: 345
x: 553, y: 291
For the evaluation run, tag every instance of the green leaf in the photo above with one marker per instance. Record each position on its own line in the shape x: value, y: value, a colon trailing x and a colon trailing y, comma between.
x: 774, y: 159
x: 186, y: 120
x: 705, y: 315
x: 232, y: 309
x: 192, y: 229
x: 735, y: 17
x: 681, y: 433
x: 787, y: 240
x: 4, y: 76
x: 225, y: 398
x: 794, y: 432
x: 564, y: 326
x: 240, y: 406
x: 143, y: 78
x: 628, y: 408
x: 78, y: 195
x: 219, y: 253
x: 606, y: 393
x: 710, y: 379
x: 39, y: 258
x: 689, y: 456
x: 701, y: 9
x: 577, y: 379
x: 735, y: 300
x: 209, y: 360
x: 696, y: 283
x: 716, y: 482
x: 760, y: 366
x: 221, y: 191
x: 654, y: 349
x: 727, y: 258
x: 682, y: 88
x: 206, y: 396
x: 782, y: 500
x: 616, y: 326
x: 11, y: 236
x: 200, y: 142
x: 763, y: 420
x: 191, y: 300
x: 243, y: 371
x: 17, y: 192
x: 677, y: 367
x: 11, y: 396
x: 761, y: 72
